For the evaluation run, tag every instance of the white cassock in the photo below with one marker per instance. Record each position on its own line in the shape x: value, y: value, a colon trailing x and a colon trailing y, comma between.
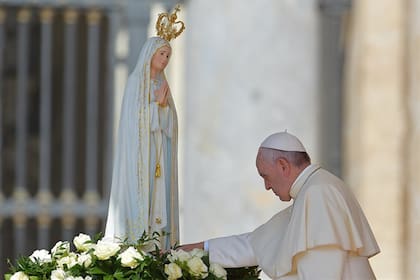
x: 323, y: 235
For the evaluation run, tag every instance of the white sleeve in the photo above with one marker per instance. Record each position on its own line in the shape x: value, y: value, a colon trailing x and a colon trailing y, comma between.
x: 232, y: 251
x: 321, y: 263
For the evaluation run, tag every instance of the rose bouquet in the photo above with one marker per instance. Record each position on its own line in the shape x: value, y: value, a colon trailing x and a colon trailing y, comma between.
x: 106, y: 259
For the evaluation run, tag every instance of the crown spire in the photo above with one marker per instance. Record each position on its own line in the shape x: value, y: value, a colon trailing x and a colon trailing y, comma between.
x: 167, y: 27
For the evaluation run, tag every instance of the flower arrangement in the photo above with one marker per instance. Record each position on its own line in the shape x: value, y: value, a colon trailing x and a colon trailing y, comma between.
x: 106, y: 260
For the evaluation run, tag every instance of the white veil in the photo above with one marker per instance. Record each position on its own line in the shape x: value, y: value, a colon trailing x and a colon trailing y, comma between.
x: 128, y: 211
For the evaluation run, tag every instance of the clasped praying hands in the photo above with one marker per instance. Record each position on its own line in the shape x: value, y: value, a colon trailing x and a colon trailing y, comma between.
x: 162, y: 94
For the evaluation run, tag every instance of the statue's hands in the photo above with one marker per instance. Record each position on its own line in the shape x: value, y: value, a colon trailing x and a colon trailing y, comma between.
x: 162, y: 94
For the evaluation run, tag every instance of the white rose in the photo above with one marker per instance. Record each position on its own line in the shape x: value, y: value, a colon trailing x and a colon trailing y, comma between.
x: 197, y: 267
x: 130, y: 257
x: 58, y: 274
x: 199, y: 253
x: 69, y: 261
x: 218, y: 271
x: 84, y: 260
x: 88, y: 278
x: 60, y: 249
x: 173, y: 271
x: 83, y: 242
x: 19, y: 276
x: 180, y: 255
x: 105, y: 249
x: 41, y: 256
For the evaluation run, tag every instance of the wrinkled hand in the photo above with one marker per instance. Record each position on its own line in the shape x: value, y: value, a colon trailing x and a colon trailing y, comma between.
x: 189, y: 247
x: 162, y: 94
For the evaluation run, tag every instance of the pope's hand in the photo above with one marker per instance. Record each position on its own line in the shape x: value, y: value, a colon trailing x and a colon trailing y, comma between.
x: 190, y: 247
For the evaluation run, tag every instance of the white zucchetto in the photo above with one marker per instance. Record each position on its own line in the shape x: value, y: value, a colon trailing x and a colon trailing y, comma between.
x: 283, y: 141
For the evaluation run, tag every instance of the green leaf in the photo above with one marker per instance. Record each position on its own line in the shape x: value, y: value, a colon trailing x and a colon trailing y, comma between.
x: 97, y: 271
x: 119, y: 275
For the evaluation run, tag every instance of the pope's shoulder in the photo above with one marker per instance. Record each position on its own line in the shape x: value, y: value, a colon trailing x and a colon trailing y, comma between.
x: 324, y: 179
x: 324, y: 184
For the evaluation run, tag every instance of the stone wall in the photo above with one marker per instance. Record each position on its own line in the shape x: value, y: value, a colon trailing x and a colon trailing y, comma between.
x: 251, y: 70
x: 382, y: 129
x: 412, y: 150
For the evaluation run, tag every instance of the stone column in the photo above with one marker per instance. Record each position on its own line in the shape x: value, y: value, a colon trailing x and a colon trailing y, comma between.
x: 331, y: 53
x: 137, y: 22
x: 23, y: 18
x: 2, y: 21
x: 109, y: 95
x: 44, y: 194
x: 68, y: 196
x: 2, y: 47
x: 91, y: 195
x: 20, y: 192
x: 374, y: 125
x: 413, y: 140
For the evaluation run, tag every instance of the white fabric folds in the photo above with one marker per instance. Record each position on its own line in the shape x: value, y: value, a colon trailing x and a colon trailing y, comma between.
x: 324, y: 214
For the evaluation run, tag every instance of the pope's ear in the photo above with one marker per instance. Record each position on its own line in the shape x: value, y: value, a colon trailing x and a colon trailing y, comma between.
x: 283, y: 165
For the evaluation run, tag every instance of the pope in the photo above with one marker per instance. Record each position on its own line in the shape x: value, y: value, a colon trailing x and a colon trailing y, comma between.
x: 324, y: 234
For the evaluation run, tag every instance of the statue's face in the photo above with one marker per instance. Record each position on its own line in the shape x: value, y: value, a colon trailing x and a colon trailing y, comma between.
x: 161, y: 59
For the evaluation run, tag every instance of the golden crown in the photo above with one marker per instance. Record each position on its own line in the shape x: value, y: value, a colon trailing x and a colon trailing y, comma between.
x: 167, y: 27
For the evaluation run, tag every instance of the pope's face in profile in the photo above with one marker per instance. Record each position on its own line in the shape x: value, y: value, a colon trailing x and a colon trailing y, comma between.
x: 161, y: 58
x: 274, y: 177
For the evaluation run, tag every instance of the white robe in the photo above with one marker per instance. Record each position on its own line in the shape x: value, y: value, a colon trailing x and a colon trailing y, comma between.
x: 323, y: 235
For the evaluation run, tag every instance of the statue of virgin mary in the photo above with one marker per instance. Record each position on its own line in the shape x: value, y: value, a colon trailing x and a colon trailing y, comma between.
x: 144, y: 190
